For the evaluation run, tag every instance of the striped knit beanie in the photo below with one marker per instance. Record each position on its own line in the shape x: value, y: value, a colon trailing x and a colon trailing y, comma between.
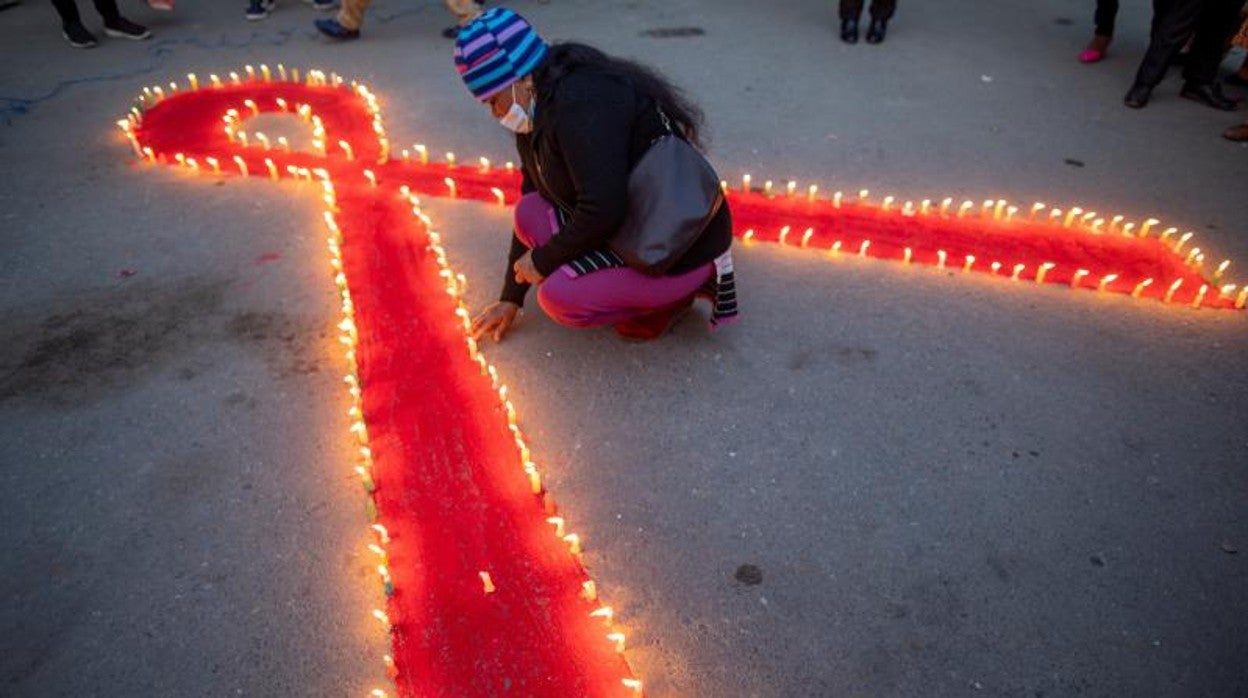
x: 495, y: 50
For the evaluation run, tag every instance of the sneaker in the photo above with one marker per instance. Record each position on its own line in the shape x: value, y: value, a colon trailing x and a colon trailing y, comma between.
x: 334, y: 30
x: 78, y: 36
x: 259, y: 9
x: 122, y: 28
x: 323, y: 5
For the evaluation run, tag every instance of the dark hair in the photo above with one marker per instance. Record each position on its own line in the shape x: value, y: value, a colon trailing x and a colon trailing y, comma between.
x: 568, y: 57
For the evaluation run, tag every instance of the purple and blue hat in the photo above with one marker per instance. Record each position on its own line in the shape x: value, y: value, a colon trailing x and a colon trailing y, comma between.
x: 495, y: 50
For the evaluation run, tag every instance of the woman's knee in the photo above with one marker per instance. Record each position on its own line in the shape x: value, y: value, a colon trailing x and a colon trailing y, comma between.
x: 532, y: 219
x: 559, y: 299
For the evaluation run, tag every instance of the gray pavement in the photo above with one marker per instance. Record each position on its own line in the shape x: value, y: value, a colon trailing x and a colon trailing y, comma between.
x: 946, y: 486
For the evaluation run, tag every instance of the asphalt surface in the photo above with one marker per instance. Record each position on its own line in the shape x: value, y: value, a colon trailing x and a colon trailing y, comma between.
x: 884, y: 482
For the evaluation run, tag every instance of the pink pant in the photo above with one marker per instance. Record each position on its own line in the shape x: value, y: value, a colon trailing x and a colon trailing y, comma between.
x: 603, y: 297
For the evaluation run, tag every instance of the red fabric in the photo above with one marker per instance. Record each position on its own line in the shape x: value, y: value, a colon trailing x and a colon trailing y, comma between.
x: 449, y: 483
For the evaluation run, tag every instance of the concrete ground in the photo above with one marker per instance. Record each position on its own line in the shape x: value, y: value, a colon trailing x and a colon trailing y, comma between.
x: 885, y: 482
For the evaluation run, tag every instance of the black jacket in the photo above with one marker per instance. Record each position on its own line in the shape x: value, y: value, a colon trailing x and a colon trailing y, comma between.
x: 589, y: 131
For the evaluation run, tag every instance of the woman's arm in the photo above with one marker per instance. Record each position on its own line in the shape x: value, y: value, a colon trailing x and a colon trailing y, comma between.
x: 593, y: 135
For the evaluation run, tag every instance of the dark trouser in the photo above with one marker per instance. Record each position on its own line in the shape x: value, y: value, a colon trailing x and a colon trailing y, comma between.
x: 1106, y: 13
x: 880, y: 9
x: 1213, y: 22
x: 68, y: 10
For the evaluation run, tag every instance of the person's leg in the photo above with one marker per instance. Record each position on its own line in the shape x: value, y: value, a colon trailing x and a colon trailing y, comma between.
x: 351, y: 13
x: 882, y: 10
x: 1215, y: 24
x: 68, y: 10
x: 108, y: 10
x: 535, y: 220
x: 851, y: 9
x: 1105, y: 16
x: 1173, y: 21
x: 615, y: 296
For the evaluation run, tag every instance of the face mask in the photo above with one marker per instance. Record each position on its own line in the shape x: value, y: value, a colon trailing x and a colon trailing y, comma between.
x: 516, y: 119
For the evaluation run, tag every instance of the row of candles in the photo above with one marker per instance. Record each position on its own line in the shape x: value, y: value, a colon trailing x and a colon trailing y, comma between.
x: 455, y: 285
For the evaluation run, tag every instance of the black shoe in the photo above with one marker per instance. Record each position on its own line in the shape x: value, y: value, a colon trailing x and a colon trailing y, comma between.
x: 78, y: 36
x: 1236, y: 80
x: 1208, y: 95
x: 122, y: 28
x: 875, y: 34
x: 849, y: 31
x: 1137, y: 96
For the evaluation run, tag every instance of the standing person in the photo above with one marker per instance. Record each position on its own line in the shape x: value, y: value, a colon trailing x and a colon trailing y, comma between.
x: 1213, y: 22
x: 351, y: 17
x: 881, y: 12
x: 582, y: 120
x: 1103, y: 19
x: 115, y: 25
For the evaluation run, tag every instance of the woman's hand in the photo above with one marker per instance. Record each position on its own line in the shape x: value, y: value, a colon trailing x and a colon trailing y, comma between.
x: 526, y: 273
x: 495, y: 320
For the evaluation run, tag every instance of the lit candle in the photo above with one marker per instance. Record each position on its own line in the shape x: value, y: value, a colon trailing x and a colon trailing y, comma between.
x: 1071, y: 215
x: 986, y: 207
x: 618, y: 639
x: 836, y: 199
x: 605, y: 612
x: 382, y: 533
x: 191, y: 163
x: 294, y: 75
x: 242, y: 165
x: 1167, y: 233
x: 557, y: 522
x: 784, y: 232
x: 767, y: 188
x: 264, y: 70
x: 632, y: 684
x: 346, y: 148
x: 925, y: 206
x: 450, y: 185
x: 499, y: 196
x: 806, y: 236
x: 748, y: 236
x: 1170, y: 292
x: 1221, y: 269
x: 281, y: 72
x: 941, y: 258
x: 862, y: 250
x: 450, y: 159
x: 1010, y: 212
x: 1018, y: 269
x: 863, y: 194
x: 999, y: 209
x: 1178, y: 247
x: 1037, y: 208
x: 242, y: 138
x: 811, y: 192
x: 486, y: 583
x: 790, y: 188
x: 485, y: 164
x: 745, y: 182
x: 1113, y: 223
x: 964, y: 207
x: 1055, y: 215
x: 944, y: 205
x: 214, y: 164
x: 283, y: 143
x: 251, y: 72
x: 836, y: 248
x: 1242, y: 298
x: 264, y: 140
x: 510, y: 166
x: 194, y: 81
x: 535, y: 479
x: 1140, y: 288
x: 996, y: 267
x: 1149, y: 223
x: 268, y: 162
x: 1126, y: 229
x: 1193, y: 254
x: 589, y: 591
x: 906, y: 255
x: 1044, y: 269
x: 1079, y: 274
x: 887, y: 203
x: 216, y: 81
x: 371, y: 177
x: 382, y: 618
x: 1200, y: 296
x: 1096, y: 225
x: 1106, y: 281
x: 423, y: 152
x: 970, y: 262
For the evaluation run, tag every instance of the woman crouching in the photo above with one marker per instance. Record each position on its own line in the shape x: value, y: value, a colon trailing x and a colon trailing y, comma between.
x: 582, y: 121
